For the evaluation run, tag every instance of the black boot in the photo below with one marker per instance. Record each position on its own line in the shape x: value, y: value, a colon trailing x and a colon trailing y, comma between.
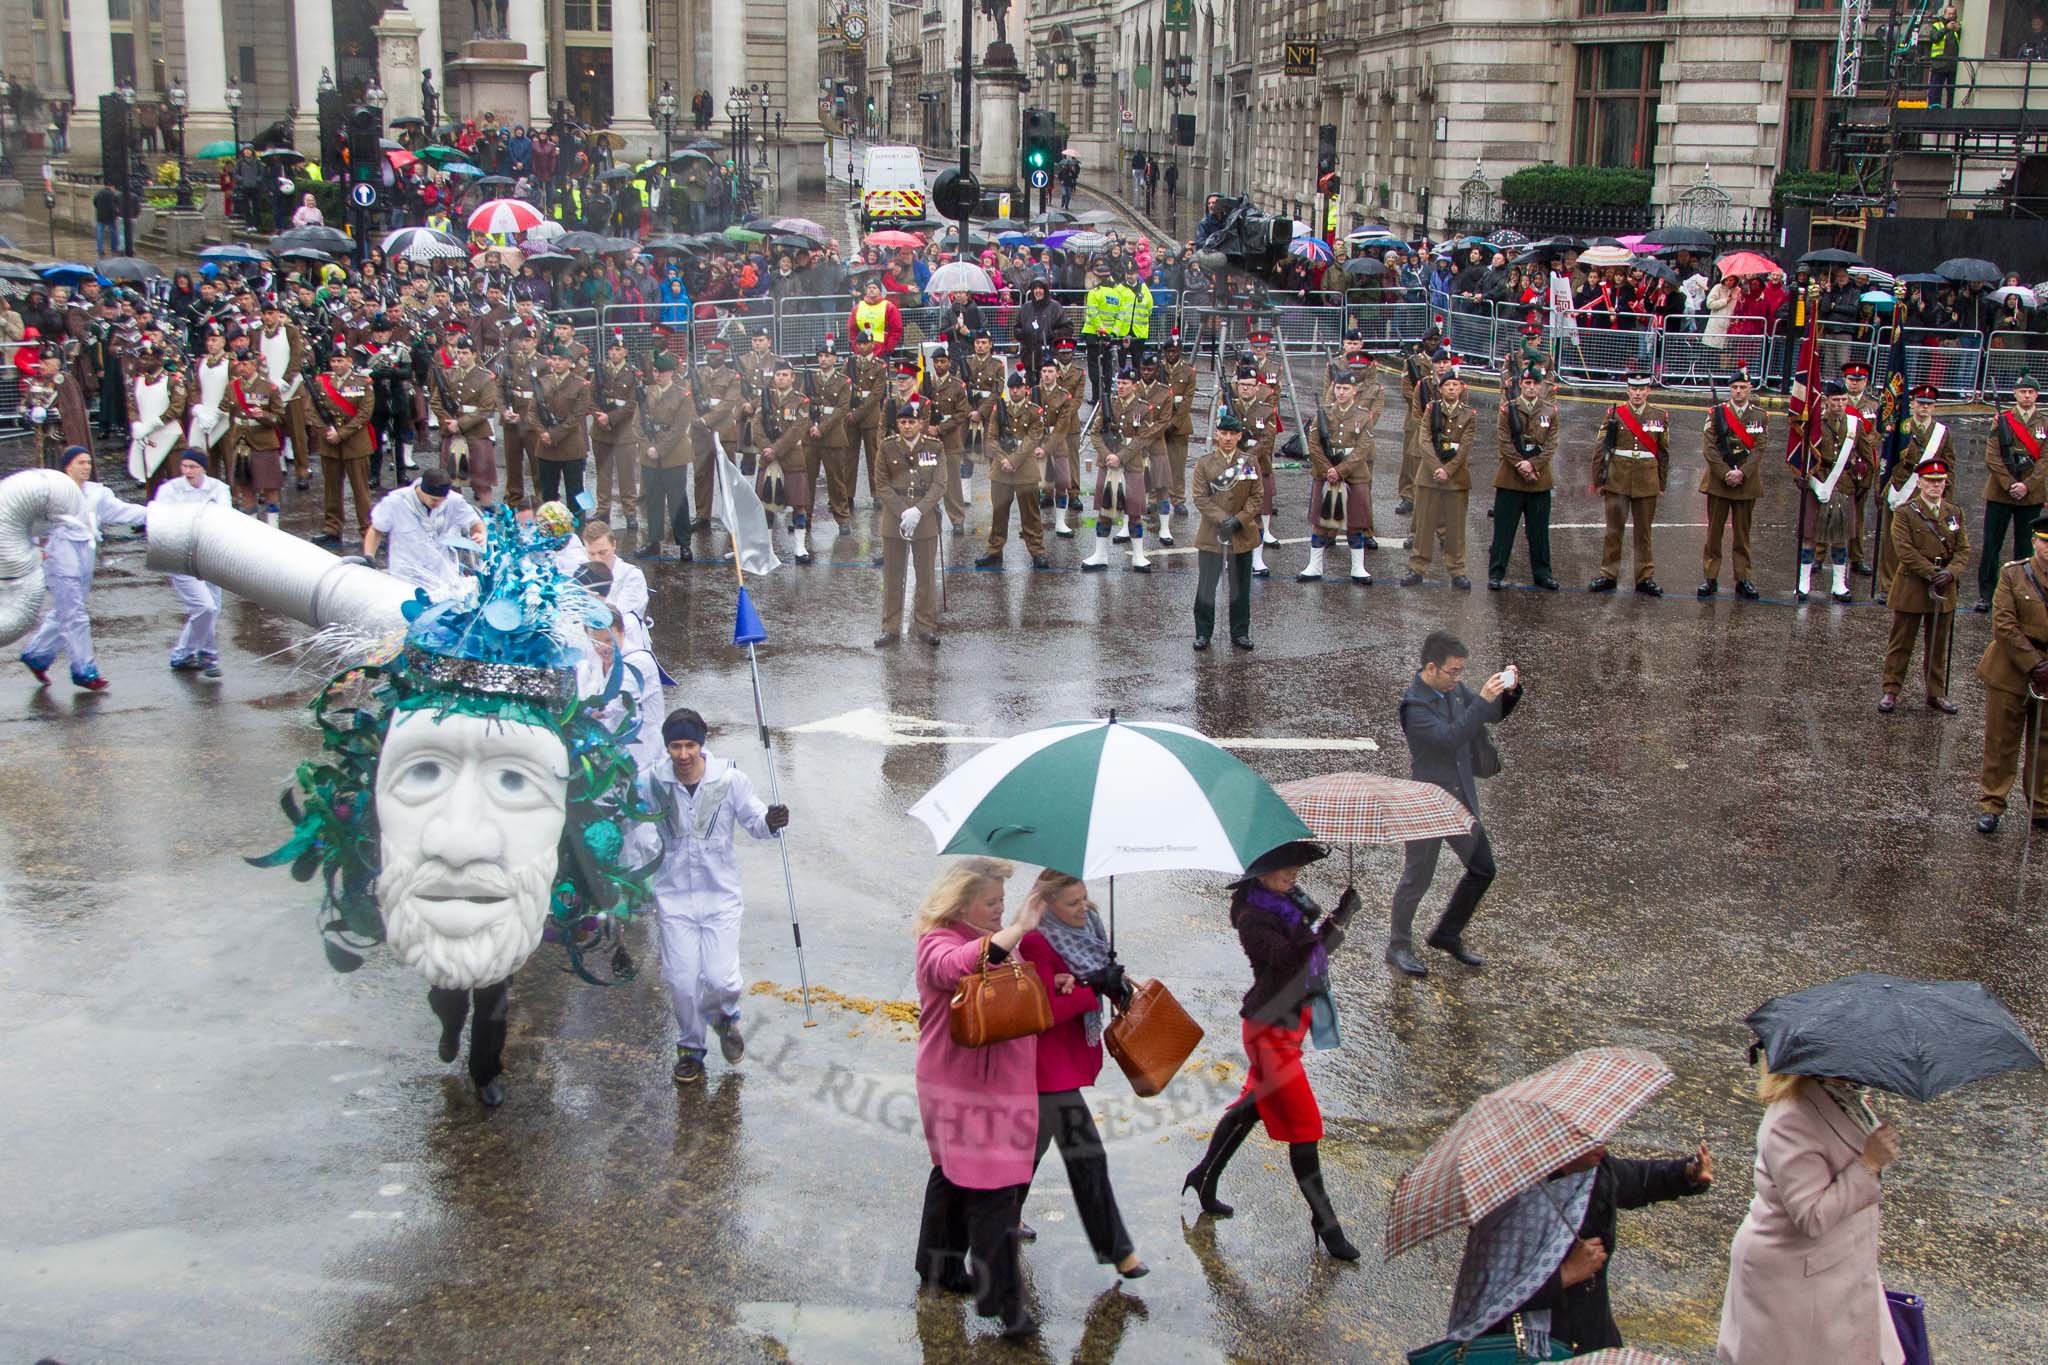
x: 1308, y: 1174
x: 1231, y: 1131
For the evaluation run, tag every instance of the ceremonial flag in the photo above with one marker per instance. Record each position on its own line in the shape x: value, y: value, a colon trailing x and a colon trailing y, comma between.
x: 1804, y: 403
x: 746, y: 521
x: 1892, y: 410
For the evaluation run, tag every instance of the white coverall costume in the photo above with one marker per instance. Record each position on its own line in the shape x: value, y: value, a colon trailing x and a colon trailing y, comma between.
x: 70, y: 553
x: 697, y: 892
x: 200, y: 599
x: 418, y: 551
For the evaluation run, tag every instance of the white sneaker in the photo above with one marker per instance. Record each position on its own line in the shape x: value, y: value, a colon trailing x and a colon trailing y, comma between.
x: 1314, y: 570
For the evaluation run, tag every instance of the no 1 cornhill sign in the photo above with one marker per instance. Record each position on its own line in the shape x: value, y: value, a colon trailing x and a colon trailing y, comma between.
x: 1298, y: 57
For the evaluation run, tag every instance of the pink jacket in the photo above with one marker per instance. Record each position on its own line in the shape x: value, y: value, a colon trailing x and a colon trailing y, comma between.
x: 1753, y: 313
x: 1066, y: 1059
x: 1803, y: 1285
x: 979, y: 1105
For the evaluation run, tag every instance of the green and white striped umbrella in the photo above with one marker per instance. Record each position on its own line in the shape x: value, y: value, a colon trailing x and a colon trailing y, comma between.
x: 1096, y: 798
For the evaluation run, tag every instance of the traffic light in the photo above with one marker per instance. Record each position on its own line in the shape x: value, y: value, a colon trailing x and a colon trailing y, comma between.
x: 365, y: 142
x: 1041, y: 140
x: 1326, y: 150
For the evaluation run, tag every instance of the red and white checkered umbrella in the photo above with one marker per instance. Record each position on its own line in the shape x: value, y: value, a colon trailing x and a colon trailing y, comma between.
x: 1365, y: 808
x: 1515, y: 1137
x: 1624, y: 1355
x: 504, y: 217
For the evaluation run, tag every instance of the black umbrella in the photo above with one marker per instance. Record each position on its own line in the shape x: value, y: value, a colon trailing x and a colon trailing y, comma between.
x: 305, y: 253
x: 320, y: 238
x: 1969, y: 270
x: 1919, y: 1039
x: 1657, y: 270
x: 408, y: 121
x: 128, y: 268
x: 280, y: 154
x: 616, y: 173
x: 1691, y: 238
x: 20, y: 274
x: 669, y: 241
x: 1364, y: 265
x: 494, y: 182
x: 6, y: 245
x: 579, y: 241
x: 1923, y: 277
x: 703, y: 144
x: 690, y: 154
x: 1829, y: 256
x: 801, y: 240
x: 1053, y: 218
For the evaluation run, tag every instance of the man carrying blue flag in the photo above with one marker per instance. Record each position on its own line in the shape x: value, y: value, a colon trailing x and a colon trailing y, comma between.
x: 697, y: 904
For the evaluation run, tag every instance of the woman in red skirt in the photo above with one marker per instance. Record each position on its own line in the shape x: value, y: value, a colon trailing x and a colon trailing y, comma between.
x: 1276, y: 921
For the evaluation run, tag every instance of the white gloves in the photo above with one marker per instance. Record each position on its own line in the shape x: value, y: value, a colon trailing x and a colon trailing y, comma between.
x: 911, y: 517
x: 135, y: 430
x: 36, y: 414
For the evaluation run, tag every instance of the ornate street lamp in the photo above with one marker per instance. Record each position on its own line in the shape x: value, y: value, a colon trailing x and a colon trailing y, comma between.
x: 6, y: 98
x: 179, y: 99
x: 232, y: 96
x: 665, y: 110
x: 736, y: 115
x: 762, y: 88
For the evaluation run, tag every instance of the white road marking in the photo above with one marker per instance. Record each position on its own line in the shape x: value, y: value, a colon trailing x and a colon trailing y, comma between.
x: 376, y: 1215
x: 339, y: 1077
x: 1601, y: 525
x: 891, y: 729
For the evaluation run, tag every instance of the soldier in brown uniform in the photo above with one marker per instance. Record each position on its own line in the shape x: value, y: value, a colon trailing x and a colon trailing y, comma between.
x: 1227, y: 497
x: 1177, y: 372
x: 1631, y: 467
x: 150, y: 375
x: 1152, y: 386
x: 1016, y: 452
x: 1864, y: 403
x: 343, y: 403
x: 615, y: 432
x: 1423, y: 372
x: 719, y: 395
x: 523, y: 371
x: 756, y: 369
x: 557, y: 423
x: 2014, y: 671
x: 869, y: 373
x: 667, y: 416
x: 464, y: 403
x: 255, y: 441
x: 1523, y: 478
x: 912, y: 466
x: 1261, y: 423
x: 779, y: 430
x: 1842, y: 440
x: 54, y: 404
x: 1732, y: 445
x: 2015, y: 482
x: 1057, y: 402
x: 1930, y: 545
x: 580, y: 363
x: 1923, y: 439
x: 835, y: 409
x: 1340, y: 453
x: 1443, y: 482
x: 281, y: 346
x: 984, y: 374
x: 947, y: 419
x: 1139, y: 430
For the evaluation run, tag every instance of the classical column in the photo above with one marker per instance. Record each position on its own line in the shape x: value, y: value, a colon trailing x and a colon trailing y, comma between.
x: 728, y: 52
x: 629, y: 80
x: 803, y: 140
x: 313, y: 52
x: 92, y: 75
x: 398, y: 61
x: 527, y: 22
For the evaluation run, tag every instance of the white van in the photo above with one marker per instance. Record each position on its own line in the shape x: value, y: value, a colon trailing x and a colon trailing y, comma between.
x: 891, y: 187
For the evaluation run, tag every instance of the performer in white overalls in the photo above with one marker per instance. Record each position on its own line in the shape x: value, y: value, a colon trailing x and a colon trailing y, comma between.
x: 195, y: 651
x: 70, y: 553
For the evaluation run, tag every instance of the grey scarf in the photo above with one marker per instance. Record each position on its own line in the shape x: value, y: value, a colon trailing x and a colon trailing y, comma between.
x: 1085, y: 951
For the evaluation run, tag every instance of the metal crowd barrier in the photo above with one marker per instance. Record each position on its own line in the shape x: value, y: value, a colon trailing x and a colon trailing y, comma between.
x: 1689, y: 361
x: 12, y: 418
x: 1604, y: 356
x: 2007, y: 360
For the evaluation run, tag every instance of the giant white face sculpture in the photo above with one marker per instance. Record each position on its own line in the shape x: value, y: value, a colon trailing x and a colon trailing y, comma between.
x: 470, y: 811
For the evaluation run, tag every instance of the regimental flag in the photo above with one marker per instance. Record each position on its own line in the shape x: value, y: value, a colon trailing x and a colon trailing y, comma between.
x: 1804, y: 403
x: 1892, y: 410
x: 746, y: 520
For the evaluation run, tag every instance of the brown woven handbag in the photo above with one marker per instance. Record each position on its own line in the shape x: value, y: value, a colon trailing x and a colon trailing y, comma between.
x: 999, y: 1003
x: 1152, y: 1039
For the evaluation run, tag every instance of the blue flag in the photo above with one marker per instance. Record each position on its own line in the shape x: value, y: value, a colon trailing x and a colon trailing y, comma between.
x: 746, y: 626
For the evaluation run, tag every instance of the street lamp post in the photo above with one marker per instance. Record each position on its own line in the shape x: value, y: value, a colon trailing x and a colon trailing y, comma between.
x: 131, y: 193
x: 232, y: 97
x: 665, y: 110
x: 6, y: 98
x: 374, y: 97
x: 736, y: 107
x: 762, y: 90
x: 179, y: 99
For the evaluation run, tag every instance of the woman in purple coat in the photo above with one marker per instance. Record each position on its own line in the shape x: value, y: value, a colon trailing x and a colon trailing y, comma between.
x: 979, y: 1105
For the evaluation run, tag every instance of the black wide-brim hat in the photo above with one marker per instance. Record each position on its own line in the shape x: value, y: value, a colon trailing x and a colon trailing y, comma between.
x: 1293, y: 853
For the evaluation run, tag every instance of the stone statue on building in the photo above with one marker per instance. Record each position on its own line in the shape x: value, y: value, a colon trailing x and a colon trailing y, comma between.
x: 480, y: 13
x: 997, y: 12
x: 430, y: 99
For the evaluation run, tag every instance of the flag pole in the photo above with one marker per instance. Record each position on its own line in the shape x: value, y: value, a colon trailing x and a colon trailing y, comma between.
x: 796, y: 929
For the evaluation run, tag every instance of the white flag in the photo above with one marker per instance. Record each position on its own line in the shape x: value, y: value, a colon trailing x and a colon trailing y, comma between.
x: 746, y: 521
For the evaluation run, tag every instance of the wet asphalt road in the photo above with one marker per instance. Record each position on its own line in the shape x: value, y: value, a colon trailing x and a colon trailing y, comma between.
x: 219, y: 1149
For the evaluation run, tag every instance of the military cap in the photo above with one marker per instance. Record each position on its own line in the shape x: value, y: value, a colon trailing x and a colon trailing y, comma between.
x: 664, y: 361
x: 1926, y: 392
x: 1932, y: 467
x: 1834, y: 388
x: 1229, y: 422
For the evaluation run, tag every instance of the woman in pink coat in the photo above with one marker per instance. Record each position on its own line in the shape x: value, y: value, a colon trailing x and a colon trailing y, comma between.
x: 979, y: 1105
x: 1803, y: 1285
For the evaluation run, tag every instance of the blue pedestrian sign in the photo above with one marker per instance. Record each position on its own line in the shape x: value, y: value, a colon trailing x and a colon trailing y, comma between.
x: 1040, y: 179
x: 363, y: 196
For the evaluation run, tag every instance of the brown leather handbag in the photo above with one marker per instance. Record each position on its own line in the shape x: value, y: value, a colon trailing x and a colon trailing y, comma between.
x: 1152, y: 1039
x: 997, y: 1004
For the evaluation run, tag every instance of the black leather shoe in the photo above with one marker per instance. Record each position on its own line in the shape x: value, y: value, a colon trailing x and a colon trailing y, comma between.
x: 1495, y: 584
x: 931, y: 637
x: 1845, y: 598
x: 1987, y: 823
x: 1943, y: 705
x: 1201, y: 642
x: 1040, y: 562
x: 328, y: 542
x: 1410, y: 579
x: 1406, y: 960
x: 1746, y: 590
x: 683, y: 555
x: 888, y: 641
x: 1602, y: 585
x: 1547, y: 584
x: 1983, y: 604
x: 1371, y: 543
x: 1461, y: 583
x: 492, y: 1094
x: 451, y: 1043
x: 1243, y: 642
x: 989, y: 562
x: 1710, y: 588
x: 1648, y: 588
x: 1403, y: 507
x: 701, y: 524
x: 1862, y: 570
x: 1456, y: 948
